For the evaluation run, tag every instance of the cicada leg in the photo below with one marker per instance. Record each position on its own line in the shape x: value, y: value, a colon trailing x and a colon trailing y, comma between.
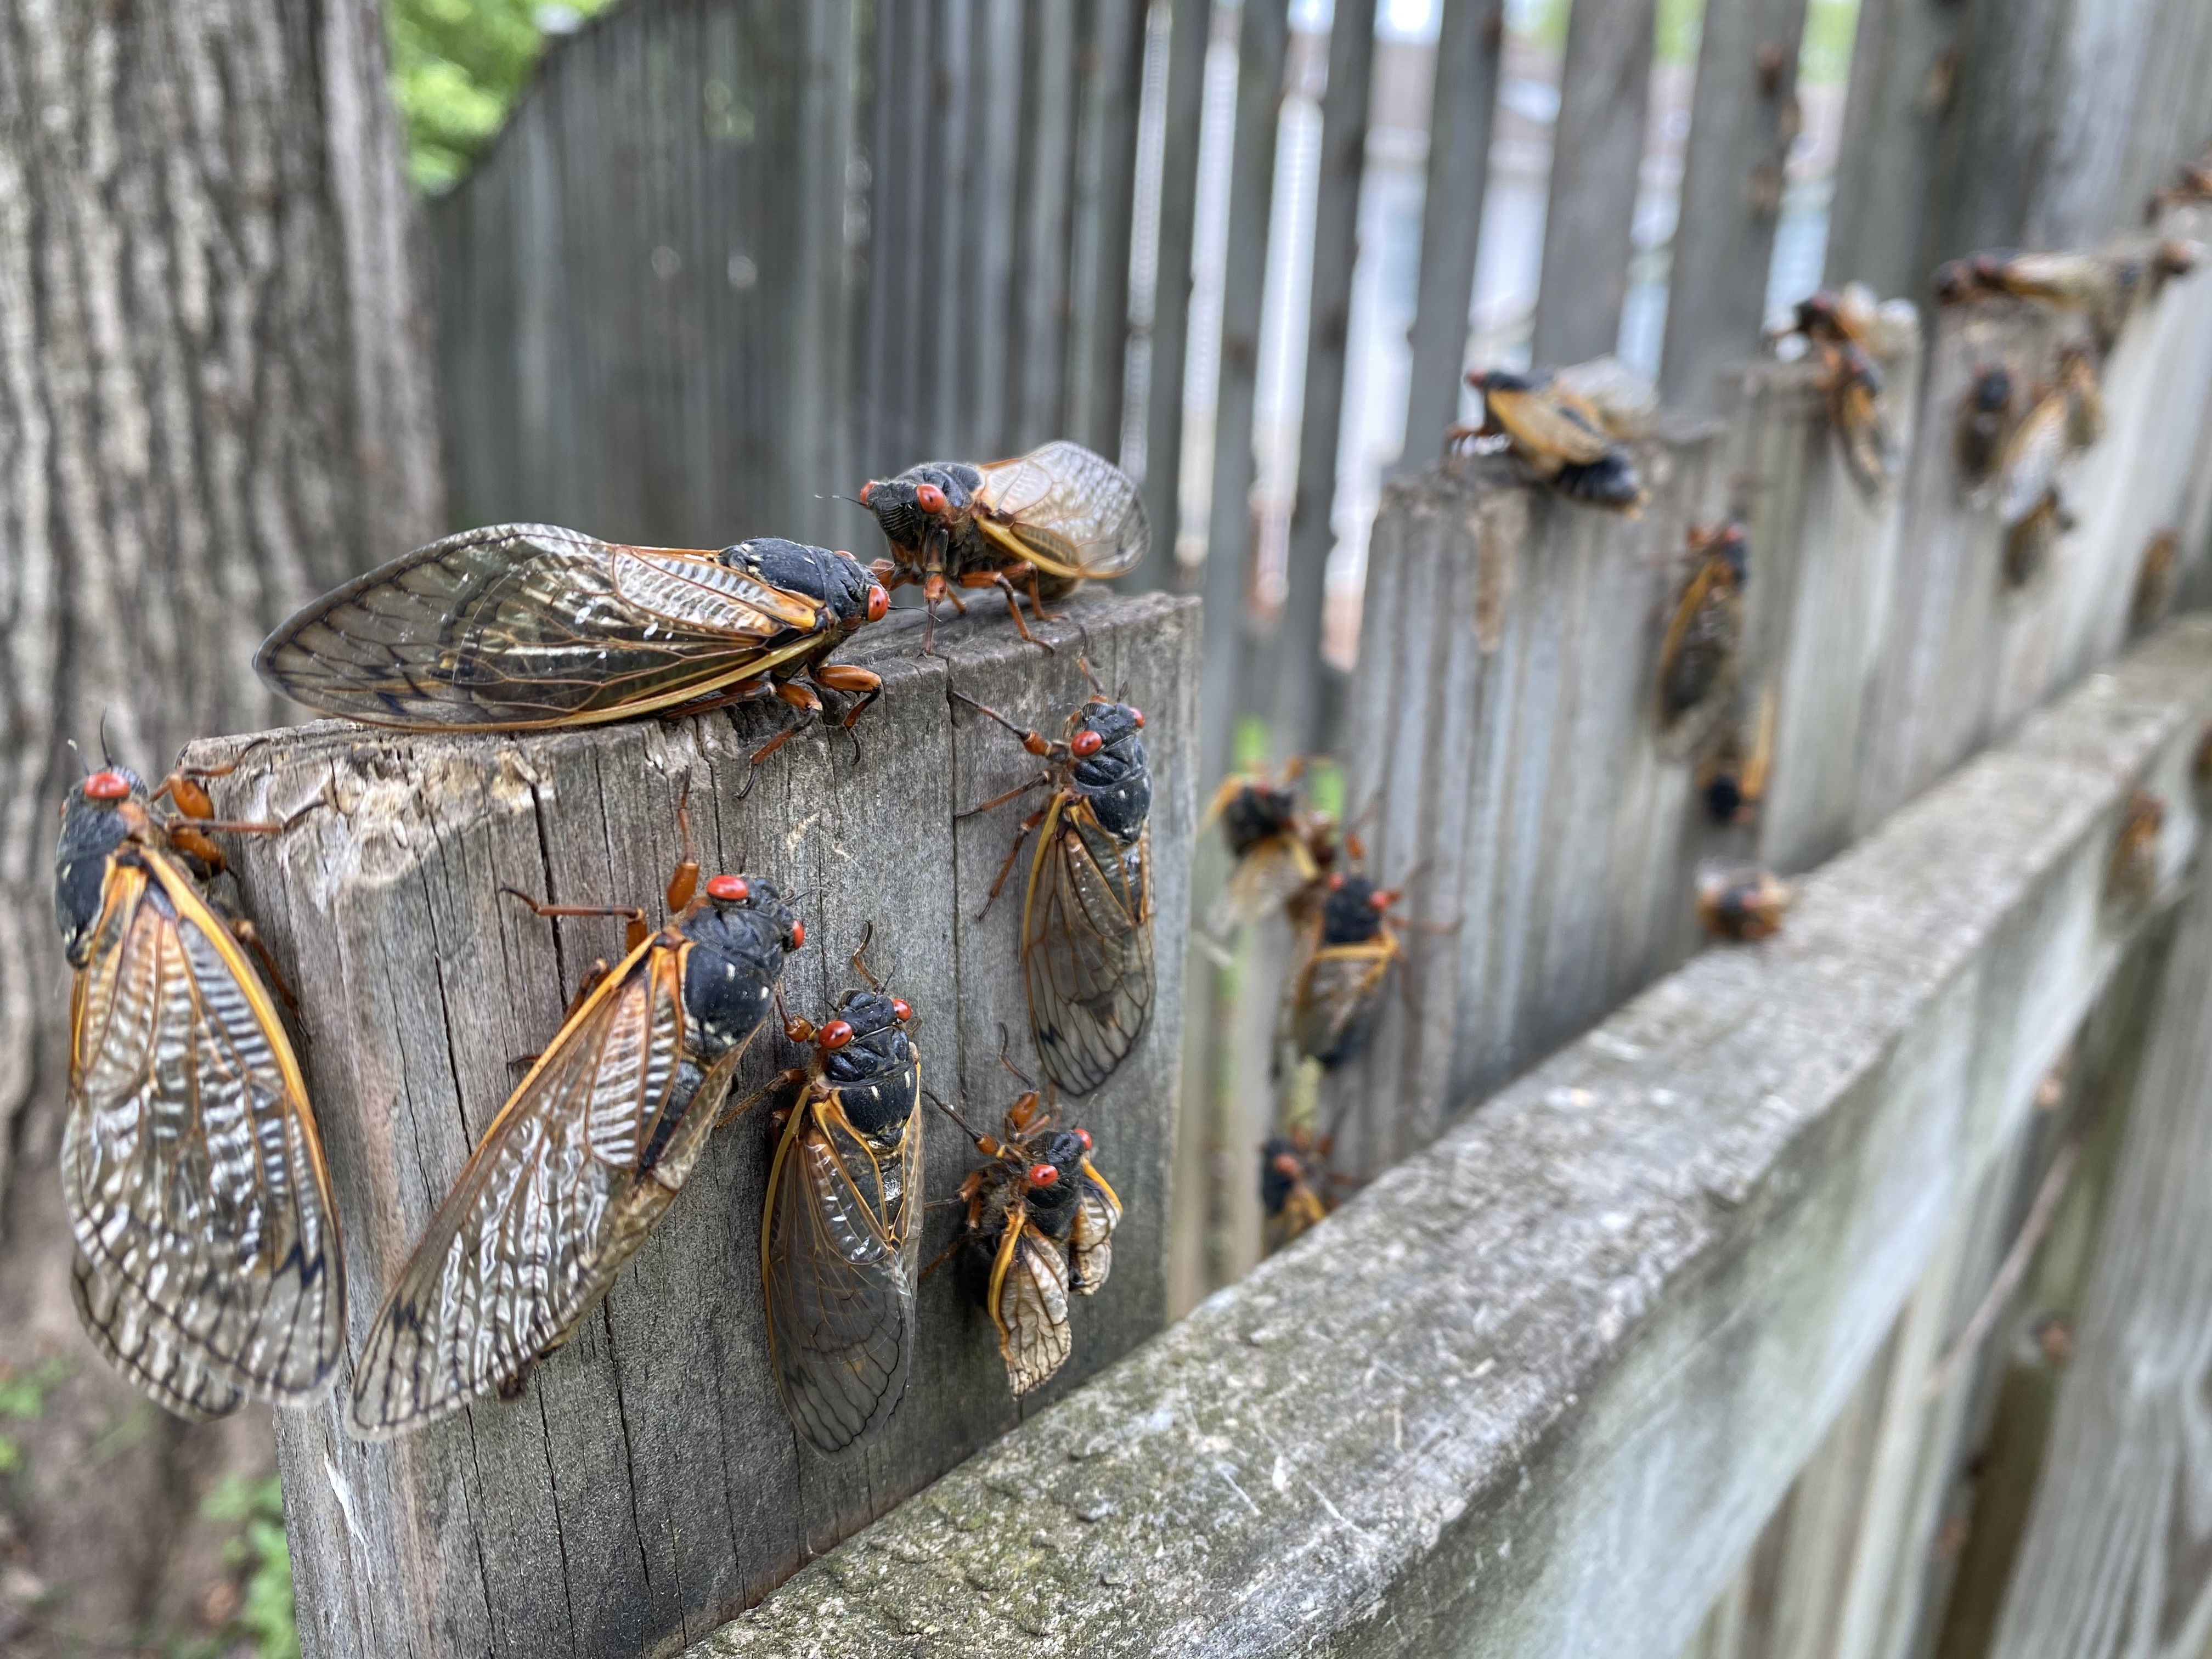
x: 1012, y: 852
x: 250, y: 936
x: 843, y: 676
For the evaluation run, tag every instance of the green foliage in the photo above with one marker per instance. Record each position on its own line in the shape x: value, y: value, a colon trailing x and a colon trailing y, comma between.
x: 458, y: 67
x: 266, y: 1611
x: 1830, y: 27
x: 23, y: 1399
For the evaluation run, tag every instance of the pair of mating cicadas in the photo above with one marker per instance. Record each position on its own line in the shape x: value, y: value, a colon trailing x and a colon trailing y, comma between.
x: 208, y: 1264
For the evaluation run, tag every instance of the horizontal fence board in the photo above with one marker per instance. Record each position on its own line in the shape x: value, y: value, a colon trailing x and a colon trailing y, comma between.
x: 648, y: 1483
x: 1536, y: 1389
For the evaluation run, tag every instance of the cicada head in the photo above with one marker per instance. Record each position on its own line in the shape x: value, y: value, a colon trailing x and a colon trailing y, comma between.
x: 1256, y: 811
x: 1352, y: 913
x: 94, y: 824
x: 872, y: 1065
x: 1052, y: 1179
x: 847, y: 590
x: 1112, y: 771
x: 740, y: 938
x: 936, y: 493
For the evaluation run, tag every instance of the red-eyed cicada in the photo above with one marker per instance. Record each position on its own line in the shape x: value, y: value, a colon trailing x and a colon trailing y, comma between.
x: 839, y: 1235
x: 1698, y: 660
x: 1560, y: 434
x: 1346, y: 945
x: 1294, y: 1181
x: 588, y: 1152
x: 1044, y: 1218
x: 518, y: 625
x: 1087, y: 918
x: 1048, y: 519
x: 1743, y: 904
x: 208, y: 1264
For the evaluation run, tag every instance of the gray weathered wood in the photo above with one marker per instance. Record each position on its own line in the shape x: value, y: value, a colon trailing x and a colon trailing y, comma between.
x: 1468, y: 38
x: 1731, y: 193
x: 1536, y: 1389
x: 2114, y: 1560
x: 1289, y: 673
x: 1504, y: 766
x: 1902, y: 69
x: 1597, y: 151
x: 648, y: 1483
x: 1110, y: 65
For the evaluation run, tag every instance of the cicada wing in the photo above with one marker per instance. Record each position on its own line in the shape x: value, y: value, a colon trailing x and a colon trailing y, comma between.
x: 1339, y: 997
x: 588, y: 1153
x: 1863, y: 426
x: 2029, y: 466
x: 1551, y: 430
x: 1029, y: 1305
x: 147, y: 1349
x: 190, y: 1168
x: 529, y: 625
x: 1087, y: 947
x: 1073, y: 513
x: 1262, y: 882
x: 1090, y: 1239
x: 839, y: 1245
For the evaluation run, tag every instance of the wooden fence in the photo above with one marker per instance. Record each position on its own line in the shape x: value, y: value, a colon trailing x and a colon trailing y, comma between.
x: 1708, y: 1334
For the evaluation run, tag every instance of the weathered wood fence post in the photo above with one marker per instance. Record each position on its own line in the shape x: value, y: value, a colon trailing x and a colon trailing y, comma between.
x: 647, y: 1484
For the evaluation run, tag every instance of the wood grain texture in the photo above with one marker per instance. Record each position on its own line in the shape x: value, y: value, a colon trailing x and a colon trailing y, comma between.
x: 648, y: 1483
x: 1536, y: 1389
x: 1504, y: 767
x: 1597, y: 151
x: 1902, y: 69
x: 1731, y: 194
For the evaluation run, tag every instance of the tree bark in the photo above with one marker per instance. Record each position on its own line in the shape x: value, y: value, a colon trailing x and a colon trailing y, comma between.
x: 214, y: 399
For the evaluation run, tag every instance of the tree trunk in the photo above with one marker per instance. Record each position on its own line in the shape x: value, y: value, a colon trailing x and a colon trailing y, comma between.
x: 214, y: 400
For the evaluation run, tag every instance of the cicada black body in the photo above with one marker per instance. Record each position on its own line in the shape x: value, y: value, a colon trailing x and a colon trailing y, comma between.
x: 1558, y: 435
x: 1087, y: 917
x: 1698, y: 657
x: 1335, y: 993
x: 586, y: 1156
x: 516, y: 627
x: 1048, y: 519
x: 839, y: 1235
x: 1985, y: 422
x: 1293, y: 1181
x: 208, y: 1264
x: 1043, y: 1218
x: 1743, y: 904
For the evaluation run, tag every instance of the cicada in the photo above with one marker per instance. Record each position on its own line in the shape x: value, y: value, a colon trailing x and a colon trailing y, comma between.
x: 208, y: 1263
x: 1698, y: 659
x: 2028, y: 503
x: 1732, y: 780
x: 1087, y: 917
x: 2133, y: 870
x: 1278, y: 848
x: 586, y: 1156
x: 1292, y: 1181
x: 2103, y: 286
x: 1344, y: 954
x: 1985, y: 422
x: 1044, y: 1218
x: 1844, y: 331
x: 1559, y: 436
x: 1743, y: 904
x: 841, y: 1233
x: 2085, y: 396
x: 518, y: 625
x: 2154, y: 582
x: 1048, y: 519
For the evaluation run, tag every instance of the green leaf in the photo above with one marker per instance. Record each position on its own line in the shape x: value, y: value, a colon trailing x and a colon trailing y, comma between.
x: 457, y: 68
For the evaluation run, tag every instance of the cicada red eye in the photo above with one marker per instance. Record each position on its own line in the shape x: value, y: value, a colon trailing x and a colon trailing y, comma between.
x: 798, y: 935
x: 1381, y: 900
x: 107, y: 786
x: 836, y: 1035
x: 929, y: 498
x: 900, y: 1011
x: 1087, y: 743
x: 1336, y: 881
x: 879, y: 603
x: 1084, y: 1135
x: 866, y: 490
x: 1287, y: 1165
x: 1043, y: 1175
x: 1138, y: 715
x: 731, y: 889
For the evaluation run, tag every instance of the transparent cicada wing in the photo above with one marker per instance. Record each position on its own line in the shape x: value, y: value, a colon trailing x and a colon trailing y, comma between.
x: 1074, y: 513
x: 1090, y: 1239
x: 1338, y: 997
x: 588, y: 1151
x: 2029, y: 466
x: 1029, y: 1305
x: 839, y: 1248
x: 531, y: 625
x: 1547, y: 426
x: 1087, y: 946
x: 190, y: 1169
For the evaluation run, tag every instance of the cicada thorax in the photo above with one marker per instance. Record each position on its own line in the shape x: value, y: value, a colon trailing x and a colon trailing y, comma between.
x: 841, y: 1234
x: 1984, y: 420
x: 1337, y: 994
x: 1256, y: 811
x: 583, y: 1159
x: 208, y: 1260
